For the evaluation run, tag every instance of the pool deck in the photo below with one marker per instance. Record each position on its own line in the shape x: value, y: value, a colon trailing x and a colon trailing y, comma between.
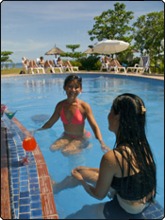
x: 42, y: 207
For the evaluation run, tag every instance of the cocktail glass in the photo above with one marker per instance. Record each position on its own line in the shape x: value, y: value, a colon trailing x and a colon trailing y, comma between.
x: 10, y: 115
x: 29, y: 144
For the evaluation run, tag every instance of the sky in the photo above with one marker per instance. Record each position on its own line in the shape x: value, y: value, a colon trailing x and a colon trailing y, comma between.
x: 31, y: 28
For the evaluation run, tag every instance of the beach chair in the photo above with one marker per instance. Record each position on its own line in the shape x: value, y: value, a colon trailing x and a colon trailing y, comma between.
x: 53, y: 67
x: 116, y: 66
x: 33, y: 66
x: 105, y: 63
x: 141, y: 67
x: 104, y: 66
x: 68, y: 66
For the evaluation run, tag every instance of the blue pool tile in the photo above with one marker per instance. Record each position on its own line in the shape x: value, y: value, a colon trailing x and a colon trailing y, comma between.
x: 14, y: 175
x: 24, y: 216
x: 24, y: 188
x: 33, y: 179
x: 23, y: 169
x: 24, y: 194
x: 154, y: 211
x: 15, y: 198
x: 23, y: 172
x: 35, y: 198
x: 15, y: 185
x: 34, y: 191
x: 23, y: 177
x: 24, y: 209
x: 15, y: 205
x: 14, y: 171
x: 24, y: 183
x: 36, y: 205
x: 15, y: 191
x: 32, y: 168
x: 31, y: 175
x: 34, y: 186
x: 36, y: 213
x: 14, y: 180
x: 24, y: 201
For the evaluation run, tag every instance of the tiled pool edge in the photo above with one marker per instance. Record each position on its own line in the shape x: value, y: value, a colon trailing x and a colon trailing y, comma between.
x: 38, y: 181
x: 5, y: 194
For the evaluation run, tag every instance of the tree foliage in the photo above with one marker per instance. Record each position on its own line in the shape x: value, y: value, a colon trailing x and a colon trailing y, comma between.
x: 148, y: 34
x: 5, y: 56
x: 73, y: 46
x: 149, y: 31
x: 113, y: 24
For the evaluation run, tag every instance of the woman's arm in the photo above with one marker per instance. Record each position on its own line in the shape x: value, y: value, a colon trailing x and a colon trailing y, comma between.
x: 106, y: 173
x: 94, y: 126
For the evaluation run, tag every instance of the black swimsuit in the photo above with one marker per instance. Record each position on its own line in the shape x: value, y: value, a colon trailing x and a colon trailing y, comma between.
x: 130, y: 188
x: 133, y: 187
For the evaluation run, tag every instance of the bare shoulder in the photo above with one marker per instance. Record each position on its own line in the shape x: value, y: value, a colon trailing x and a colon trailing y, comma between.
x: 60, y: 104
x: 109, y: 162
x: 84, y: 105
x: 109, y: 155
x: 109, y: 158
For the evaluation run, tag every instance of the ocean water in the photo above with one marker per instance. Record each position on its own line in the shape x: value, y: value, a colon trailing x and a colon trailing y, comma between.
x: 11, y: 65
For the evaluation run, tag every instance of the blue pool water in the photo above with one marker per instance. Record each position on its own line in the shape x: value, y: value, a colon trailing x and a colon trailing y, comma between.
x: 35, y: 97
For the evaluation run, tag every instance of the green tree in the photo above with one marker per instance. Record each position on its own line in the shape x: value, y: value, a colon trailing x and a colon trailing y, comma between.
x: 113, y: 24
x: 148, y: 33
x: 73, y: 46
x: 5, y: 56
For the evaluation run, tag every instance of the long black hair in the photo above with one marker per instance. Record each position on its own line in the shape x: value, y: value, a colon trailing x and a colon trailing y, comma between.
x: 131, y: 133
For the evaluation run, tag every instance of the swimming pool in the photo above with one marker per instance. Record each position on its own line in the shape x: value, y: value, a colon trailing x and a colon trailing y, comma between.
x: 35, y: 97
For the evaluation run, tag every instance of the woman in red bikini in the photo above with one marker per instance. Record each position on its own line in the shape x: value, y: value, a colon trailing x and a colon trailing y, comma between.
x: 73, y: 113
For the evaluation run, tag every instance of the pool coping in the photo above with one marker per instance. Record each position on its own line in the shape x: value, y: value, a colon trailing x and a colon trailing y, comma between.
x: 151, y: 76
x: 5, y: 194
x: 11, y: 195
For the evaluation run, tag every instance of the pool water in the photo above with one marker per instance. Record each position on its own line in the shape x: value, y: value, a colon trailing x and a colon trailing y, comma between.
x: 34, y: 97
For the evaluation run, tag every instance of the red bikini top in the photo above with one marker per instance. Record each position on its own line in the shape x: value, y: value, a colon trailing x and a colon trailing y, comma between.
x: 76, y: 119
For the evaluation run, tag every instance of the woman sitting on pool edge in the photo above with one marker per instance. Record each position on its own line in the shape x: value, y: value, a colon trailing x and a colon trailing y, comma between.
x: 73, y: 113
x: 127, y: 174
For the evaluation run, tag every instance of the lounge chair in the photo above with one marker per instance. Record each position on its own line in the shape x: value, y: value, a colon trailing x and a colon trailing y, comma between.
x: 53, y: 67
x: 33, y: 66
x: 141, y: 67
x: 30, y: 66
x: 104, y: 66
x: 105, y: 63
x: 116, y: 66
x: 69, y: 67
x: 135, y: 69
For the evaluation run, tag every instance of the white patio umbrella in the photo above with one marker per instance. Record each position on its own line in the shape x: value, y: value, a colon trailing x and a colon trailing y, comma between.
x: 110, y: 46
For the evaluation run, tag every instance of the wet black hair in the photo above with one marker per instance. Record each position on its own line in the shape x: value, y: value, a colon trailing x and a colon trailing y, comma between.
x: 71, y: 78
x: 131, y: 134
